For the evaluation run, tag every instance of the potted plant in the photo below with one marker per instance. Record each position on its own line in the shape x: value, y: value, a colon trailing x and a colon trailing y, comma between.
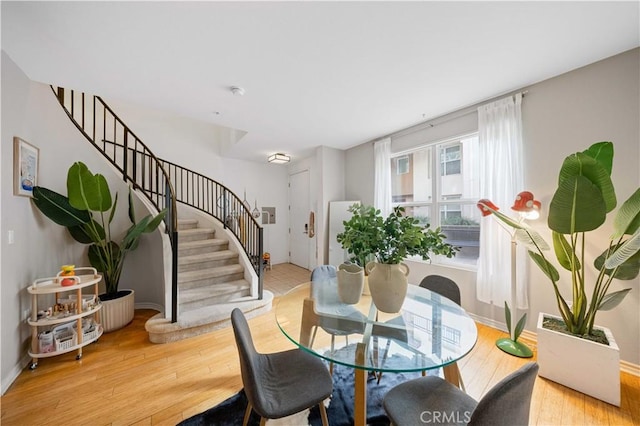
x: 87, y: 213
x: 581, y: 202
x: 389, y: 240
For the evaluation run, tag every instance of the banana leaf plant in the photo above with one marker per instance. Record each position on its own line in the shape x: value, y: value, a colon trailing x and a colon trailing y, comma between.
x: 87, y: 213
x: 581, y: 202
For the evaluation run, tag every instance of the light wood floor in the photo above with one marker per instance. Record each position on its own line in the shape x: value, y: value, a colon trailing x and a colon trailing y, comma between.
x: 126, y: 380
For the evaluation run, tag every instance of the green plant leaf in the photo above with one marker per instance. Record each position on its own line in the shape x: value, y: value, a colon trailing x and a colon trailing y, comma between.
x: 519, y: 327
x: 627, y: 219
x: 624, y: 256
x: 612, y: 300
x: 57, y: 208
x: 602, y: 152
x: 153, y: 223
x: 132, y: 213
x: 530, y: 238
x: 507, y: 316
x: 576, y: 206
x: 563, y: 251
x: 107, y: 260
x: 581, y: 164
x: 113, y: 209
x: 85, y: 233
x: 86, y: 191
x: 549, y: 270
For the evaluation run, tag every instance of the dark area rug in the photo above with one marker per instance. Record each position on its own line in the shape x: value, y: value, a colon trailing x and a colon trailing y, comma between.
x: 339, y: 411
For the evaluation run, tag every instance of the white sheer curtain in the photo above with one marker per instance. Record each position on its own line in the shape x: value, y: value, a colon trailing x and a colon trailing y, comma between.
x: 382, y: 180
x: 501, y: 179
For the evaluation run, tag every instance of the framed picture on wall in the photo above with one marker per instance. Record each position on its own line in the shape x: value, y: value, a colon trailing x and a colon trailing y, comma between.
x: 25, y: 167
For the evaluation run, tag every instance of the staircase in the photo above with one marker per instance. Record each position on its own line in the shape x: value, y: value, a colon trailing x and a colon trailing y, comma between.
x: 208, y: 272
x: 208, y: 276
x: 211, y: 284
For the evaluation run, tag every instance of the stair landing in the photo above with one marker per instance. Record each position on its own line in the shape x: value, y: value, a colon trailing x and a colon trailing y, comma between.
x: 204, y: 320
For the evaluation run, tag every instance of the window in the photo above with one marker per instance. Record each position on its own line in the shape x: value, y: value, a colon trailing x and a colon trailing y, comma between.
x: 446, y: 198
x: 450, y: 160
x: 402, y: 165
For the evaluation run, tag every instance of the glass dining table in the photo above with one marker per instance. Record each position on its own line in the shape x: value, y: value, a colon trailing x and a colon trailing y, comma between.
x: 429, y: 332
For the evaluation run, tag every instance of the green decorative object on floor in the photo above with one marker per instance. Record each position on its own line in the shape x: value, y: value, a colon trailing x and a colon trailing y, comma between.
x: 512, y: 346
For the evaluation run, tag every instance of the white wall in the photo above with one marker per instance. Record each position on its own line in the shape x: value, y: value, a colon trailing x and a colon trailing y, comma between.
x: 561, y: 115
x: 332, y: 169
x: 30, y: 110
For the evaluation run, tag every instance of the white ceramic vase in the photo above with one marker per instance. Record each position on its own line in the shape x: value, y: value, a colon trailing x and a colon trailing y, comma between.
x: 388, y: 285
x: 350, y: 282
x: 588, y: 367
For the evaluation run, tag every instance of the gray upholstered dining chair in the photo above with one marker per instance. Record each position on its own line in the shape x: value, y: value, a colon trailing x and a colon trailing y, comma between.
x: 279, y: 384
x: 420, y: 400
x: 349, y: 321
x: 443, y: 286
x: 448, y: 288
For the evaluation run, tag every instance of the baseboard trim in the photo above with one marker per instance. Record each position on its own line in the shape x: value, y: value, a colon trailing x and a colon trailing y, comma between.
x: 532, y: 337
x: 14, y: 373
x: 152, y: 306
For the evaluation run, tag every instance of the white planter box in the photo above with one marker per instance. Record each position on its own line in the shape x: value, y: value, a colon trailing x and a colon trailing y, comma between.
x: 588, y: 367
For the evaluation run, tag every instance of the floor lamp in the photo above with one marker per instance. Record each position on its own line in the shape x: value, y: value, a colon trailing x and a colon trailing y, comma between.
x: 527, y: 208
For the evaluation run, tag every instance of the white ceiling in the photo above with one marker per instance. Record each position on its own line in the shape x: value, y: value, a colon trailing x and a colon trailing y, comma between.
x: 315, y: 73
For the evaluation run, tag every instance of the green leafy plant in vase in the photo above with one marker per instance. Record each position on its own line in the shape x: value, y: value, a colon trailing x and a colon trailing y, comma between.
x: 87, y: 213
x: 389, y: 241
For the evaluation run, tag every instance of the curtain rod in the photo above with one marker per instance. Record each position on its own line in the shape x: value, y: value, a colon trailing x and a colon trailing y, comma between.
x: 447, y: 116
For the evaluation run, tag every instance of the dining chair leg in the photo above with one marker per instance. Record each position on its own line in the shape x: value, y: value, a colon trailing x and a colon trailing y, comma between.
x: 313, y: 336
x: 333, y: 341
x: 247, y: 414
x: 263, y: 421
x: 323, y: 414
x: 452, y: 375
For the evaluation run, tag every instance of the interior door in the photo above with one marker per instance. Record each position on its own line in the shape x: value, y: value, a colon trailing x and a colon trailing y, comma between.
x: 299, y: 226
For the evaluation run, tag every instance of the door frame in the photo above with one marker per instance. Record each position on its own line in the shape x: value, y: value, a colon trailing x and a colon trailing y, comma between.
x: 311, y: 258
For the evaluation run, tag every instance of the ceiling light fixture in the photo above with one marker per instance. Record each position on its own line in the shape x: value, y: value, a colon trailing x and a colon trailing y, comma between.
x: 279, y: 158
x: 237, y: 91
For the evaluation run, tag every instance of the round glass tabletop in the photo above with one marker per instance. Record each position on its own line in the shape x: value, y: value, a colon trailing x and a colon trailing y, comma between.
x: 430, y: 331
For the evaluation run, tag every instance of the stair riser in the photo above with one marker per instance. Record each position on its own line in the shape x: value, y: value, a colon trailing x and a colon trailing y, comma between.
x: 187, y: 225
x: 208, y: 264
x: 210, y: 281
x: 214, y: 299
x: 202, y: 250
x: 203, y: 235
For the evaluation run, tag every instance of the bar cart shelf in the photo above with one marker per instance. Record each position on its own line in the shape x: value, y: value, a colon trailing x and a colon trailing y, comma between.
x: 70, y: 329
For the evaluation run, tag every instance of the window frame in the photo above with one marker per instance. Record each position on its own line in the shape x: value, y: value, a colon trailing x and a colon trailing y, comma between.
x: 408, y: 164
x: 437, y: 199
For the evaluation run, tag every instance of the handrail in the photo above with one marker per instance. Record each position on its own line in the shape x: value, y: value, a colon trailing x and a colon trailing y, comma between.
x: 209, y: 196
x: 140, y: 167
x: 205, y: 194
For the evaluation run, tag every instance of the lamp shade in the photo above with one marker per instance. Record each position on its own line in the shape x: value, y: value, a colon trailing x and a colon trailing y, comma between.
x: 483, y: 204
x: 526, y: 205
x: 279, y: 158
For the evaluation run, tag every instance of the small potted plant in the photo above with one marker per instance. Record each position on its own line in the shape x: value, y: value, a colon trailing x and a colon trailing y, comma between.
x: 389, y: 241
x: 87, y: 214
x: 581, y: 202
